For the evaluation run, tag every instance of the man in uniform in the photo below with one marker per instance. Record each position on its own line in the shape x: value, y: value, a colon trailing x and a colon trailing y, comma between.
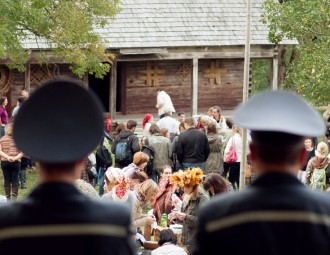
x: 276, y: 214
x: 58, y: 126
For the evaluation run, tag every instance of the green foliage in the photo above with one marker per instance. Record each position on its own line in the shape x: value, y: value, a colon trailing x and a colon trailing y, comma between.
x: 307, y: 21
x: 68, y: 26
x: 261, y: 69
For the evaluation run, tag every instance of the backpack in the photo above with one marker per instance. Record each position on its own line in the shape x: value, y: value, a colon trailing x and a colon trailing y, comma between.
x: 319, y: 179
x: 103, y: 157
x: 123, y: 152
x: 150, y: 152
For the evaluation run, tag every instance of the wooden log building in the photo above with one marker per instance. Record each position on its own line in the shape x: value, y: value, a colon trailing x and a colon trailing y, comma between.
x: 194, y: 50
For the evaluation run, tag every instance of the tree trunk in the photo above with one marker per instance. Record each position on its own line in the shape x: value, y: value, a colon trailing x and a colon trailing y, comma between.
x: 281, y: 65
x: 294, y: 55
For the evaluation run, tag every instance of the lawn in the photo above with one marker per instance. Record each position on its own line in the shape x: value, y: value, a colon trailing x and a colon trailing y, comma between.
x: 32, y: 181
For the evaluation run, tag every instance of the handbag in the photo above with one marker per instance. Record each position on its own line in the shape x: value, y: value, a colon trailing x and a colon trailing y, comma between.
x: 232, y: 155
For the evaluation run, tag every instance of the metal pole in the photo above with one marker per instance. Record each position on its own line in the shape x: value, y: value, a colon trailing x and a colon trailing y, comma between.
x: 245, y: 89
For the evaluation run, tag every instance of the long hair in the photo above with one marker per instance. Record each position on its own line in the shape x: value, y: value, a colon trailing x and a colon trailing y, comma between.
x: 237, y: 130
x: 217, y: 182
x: 146, y: 118
x: 147, y: 188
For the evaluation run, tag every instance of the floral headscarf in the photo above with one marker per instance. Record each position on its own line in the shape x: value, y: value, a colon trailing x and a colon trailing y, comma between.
x: 189, y: 178
x: 121, y: 183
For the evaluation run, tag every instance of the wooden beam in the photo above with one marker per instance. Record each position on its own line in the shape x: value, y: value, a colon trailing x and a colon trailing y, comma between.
x: 142, y: 51
x: 174, y: 56
x: 113, y: 90
x: 194, y: 87
x: 275, y: 73
x: 123, y: 89
x: 27, y: 77
x: 85, y: 80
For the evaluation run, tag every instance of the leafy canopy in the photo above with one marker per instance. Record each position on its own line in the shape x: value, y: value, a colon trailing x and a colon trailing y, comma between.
x: 308, y: 21
x: 67, y: 25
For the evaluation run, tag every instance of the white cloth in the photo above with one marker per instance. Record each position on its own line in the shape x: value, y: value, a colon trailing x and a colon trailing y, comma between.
x: 92, y: 158
x: 169, y: 249
x: 164, y: 102
x: 15, y: 111
x: 221, y: 126
x: 146, y: 132
x: 170, y: 123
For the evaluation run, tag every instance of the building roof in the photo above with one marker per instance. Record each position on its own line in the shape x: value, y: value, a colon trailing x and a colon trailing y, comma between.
x: 181, y: 23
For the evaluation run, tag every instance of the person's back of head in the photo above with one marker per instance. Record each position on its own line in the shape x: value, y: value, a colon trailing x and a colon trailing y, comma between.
x: 140, y: 157
x: 167, y: 236
x: 229, y: 123
x: 147, y: 189
x: 154, y: 129
x: 189, y: 122
x: 322, y: 150
x: 21, y: 100
x: 138, y: 177
x: 45, y: 121
x: 211, y: 128
x: 120, y: 127
x: 214, y: 183
x: 279, y: 121
x: 131, y: 124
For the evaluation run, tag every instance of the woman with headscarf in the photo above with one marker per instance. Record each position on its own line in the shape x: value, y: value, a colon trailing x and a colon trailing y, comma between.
x: 165, y: 199
x: 193, y: 198
x: 318, y: 169
x: 117, y: 187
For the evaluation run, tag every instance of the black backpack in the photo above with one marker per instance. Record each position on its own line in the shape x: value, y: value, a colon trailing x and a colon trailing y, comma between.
x: 103, y: 157
x: 123, y: 152
x: 150, y: 152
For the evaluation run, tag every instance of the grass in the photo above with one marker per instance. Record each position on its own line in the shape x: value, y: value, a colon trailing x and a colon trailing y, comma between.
x: 31, y: 182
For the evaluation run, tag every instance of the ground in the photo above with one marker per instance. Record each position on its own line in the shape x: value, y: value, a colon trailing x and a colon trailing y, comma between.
x: 32, y: 181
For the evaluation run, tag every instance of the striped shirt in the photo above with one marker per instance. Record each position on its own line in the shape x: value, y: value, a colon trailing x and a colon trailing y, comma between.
x: 8, y: 146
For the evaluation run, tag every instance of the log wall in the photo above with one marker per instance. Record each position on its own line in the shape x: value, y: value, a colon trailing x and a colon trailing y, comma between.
x: 141, y: 98
x: 17, y: 81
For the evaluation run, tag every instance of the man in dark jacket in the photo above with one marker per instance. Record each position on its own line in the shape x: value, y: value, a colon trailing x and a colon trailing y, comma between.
x: 276, y: 214
x: 126, y: 145
x: 192, y: 147
x: 56, y: 218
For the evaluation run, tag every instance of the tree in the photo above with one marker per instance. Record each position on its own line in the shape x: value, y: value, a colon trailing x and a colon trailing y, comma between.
x: 67, y: 26
x: 307, y: 21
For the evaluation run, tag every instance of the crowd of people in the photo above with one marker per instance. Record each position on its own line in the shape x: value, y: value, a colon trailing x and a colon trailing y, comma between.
x: 178, y: 168
x: 172, y: 152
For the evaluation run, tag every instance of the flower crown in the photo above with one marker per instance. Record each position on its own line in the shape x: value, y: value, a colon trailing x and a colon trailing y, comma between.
x: 189, y: 178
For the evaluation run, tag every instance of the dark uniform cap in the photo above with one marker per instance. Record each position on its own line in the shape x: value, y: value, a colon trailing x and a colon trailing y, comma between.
x: 279, y: 111
x: 60, y: 122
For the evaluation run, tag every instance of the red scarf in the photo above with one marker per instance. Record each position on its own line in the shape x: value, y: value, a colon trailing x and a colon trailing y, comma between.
x: 163, y: 199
